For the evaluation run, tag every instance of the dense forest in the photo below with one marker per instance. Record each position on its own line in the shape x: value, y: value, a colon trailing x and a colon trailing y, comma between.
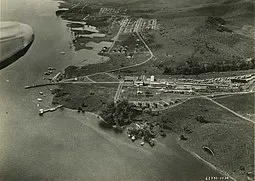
x: 120, y: 114
x: 194, y: 67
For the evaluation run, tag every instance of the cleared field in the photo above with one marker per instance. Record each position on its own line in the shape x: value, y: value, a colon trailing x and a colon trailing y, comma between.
x: 242, y: 104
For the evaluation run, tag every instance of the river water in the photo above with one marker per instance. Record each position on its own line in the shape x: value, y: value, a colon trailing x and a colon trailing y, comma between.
x: 65, y: 145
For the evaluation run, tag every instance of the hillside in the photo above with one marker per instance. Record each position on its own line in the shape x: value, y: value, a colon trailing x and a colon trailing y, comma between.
x: 190, y: 39
x: 230, y: 138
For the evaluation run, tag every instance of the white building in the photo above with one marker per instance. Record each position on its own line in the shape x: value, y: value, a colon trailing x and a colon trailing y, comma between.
x: 152, y: 78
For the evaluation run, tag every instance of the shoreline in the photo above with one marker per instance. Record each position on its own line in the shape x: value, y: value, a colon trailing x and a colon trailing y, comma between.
x: 140, y: 148
x: 195, y: 155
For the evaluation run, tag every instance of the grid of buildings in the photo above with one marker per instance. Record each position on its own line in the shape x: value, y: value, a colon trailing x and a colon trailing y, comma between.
x: 190, y: 86
x: 139, y: 24
x: 112, y: 11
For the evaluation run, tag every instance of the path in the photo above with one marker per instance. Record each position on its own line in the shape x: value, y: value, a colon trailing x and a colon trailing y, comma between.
x: 90, y: 79
x: 117, y: 36
x: 235, y: 113
x: 117, y: 95
x: 110, y: 75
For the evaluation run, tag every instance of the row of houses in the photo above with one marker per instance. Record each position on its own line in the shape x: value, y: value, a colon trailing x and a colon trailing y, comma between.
x: 243, y: 79
x: 155, y: 105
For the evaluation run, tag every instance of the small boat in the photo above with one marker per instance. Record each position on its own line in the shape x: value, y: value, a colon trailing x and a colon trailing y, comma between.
x: 51, y: 68
x: 39, y: 99
x: 63, y: 53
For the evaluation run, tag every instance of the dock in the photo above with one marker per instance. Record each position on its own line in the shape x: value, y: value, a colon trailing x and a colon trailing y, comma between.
x: 42, y: 111
x: 38, y: 85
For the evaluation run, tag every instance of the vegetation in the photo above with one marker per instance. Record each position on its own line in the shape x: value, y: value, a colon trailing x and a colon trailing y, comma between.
x: 242, y: 104
x: 103, y: 78
x: 87, y: 97
x: 216, y: 21
x: 190, y: 41
x: 98, y: 21
x: 116, y: 61
x: 120, y: 114
x: 202, y: 123
x: 195, y: 67
x: 202, y: 119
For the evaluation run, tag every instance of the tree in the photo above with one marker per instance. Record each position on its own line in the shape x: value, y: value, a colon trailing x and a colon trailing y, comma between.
x: 120, y: 114
x: 202, y: 119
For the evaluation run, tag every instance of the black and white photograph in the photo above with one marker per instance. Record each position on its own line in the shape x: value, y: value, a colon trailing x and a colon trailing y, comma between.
x: 127, y: 90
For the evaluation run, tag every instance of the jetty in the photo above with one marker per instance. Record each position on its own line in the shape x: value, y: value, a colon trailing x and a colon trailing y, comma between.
x: 38, y: 85
x: 42, y: 111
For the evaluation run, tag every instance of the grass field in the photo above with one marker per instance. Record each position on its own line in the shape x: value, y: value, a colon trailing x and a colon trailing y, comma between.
x: 88, y: 97
x: 231, y: 138
x: 233, y: 145
x: 103, y: 78
x: 242, y: 104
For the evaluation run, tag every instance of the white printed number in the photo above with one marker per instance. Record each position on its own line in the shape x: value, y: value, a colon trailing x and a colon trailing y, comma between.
x: 216, y: 178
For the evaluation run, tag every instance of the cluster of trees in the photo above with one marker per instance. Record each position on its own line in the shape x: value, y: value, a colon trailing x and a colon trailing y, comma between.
x: 215, y: 20
x: 218, y: 23
x: 202, y: 119
x: 193, y: 67
x: 120, y: 114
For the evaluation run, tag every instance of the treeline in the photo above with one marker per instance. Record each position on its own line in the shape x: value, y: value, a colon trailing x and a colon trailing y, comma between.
x: 195, y: 68
x: 120, y: 114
